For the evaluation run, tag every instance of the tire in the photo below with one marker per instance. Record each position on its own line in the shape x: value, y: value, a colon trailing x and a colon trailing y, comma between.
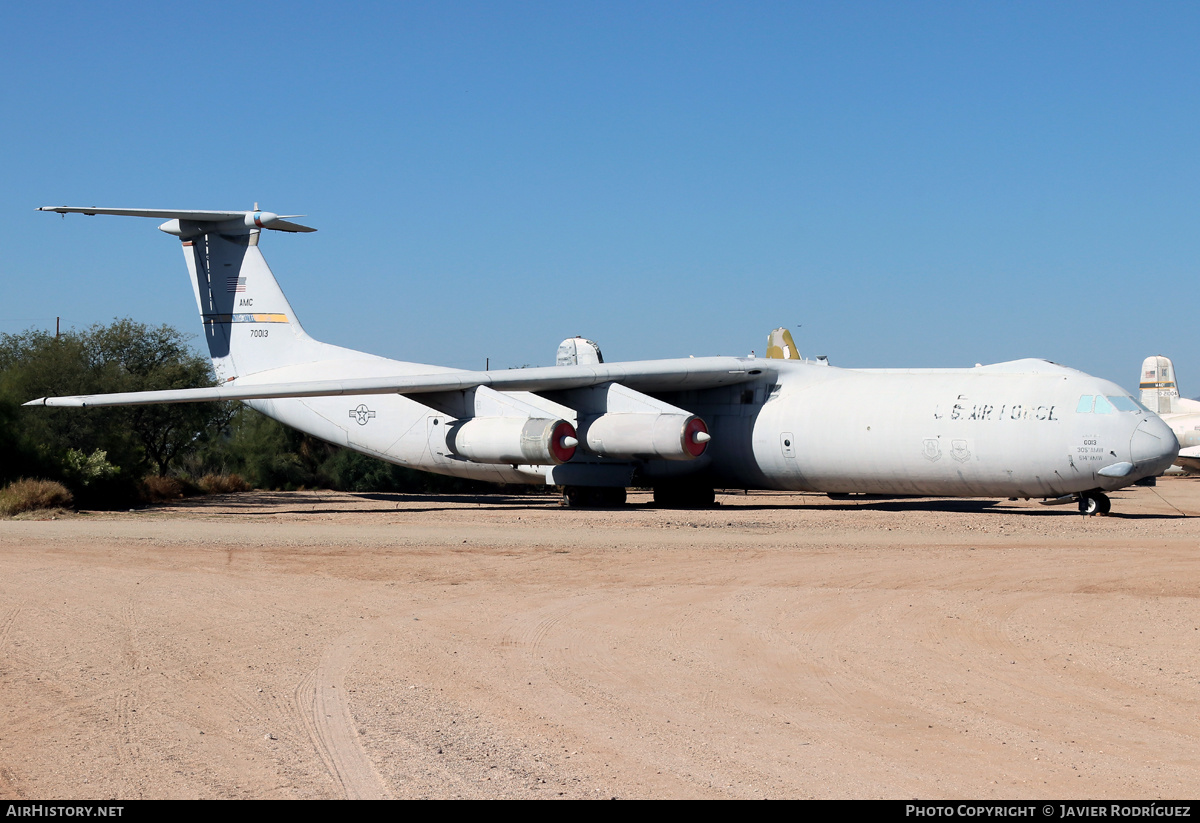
x: 613, y: 498
x: 593, y: 497
x: 684, y: 497
x: 1093, y: 503
x: 576, y: 497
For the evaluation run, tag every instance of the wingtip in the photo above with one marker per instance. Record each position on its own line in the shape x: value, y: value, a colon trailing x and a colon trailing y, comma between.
x: 41, y: 401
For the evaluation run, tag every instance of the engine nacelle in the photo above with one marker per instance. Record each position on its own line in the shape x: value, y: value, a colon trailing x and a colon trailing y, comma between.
x: 665, y: 436
x: 514, y: 440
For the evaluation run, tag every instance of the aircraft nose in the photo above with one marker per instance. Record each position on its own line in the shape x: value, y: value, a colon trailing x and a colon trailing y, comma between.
x: 1153, y: 446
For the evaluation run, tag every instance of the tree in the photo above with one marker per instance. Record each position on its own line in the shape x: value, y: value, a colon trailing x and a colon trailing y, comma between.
x: 120, y: 357
x: 101, y: 453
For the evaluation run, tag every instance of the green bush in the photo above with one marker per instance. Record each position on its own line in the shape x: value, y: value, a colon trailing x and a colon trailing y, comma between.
x: 87, y: 469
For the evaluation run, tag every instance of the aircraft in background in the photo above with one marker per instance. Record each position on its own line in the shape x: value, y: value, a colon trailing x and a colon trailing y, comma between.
x: 1161, y: 395
x: 1026, y: 428
x: 781, y: 346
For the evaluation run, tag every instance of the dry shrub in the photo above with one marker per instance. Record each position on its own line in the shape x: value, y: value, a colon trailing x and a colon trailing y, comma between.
x: 223, y: 484
x: 159, y: 489
x: 28, y: 495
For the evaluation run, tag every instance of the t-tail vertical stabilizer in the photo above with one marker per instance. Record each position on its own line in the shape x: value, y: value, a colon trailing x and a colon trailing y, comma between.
x: 249, y: 326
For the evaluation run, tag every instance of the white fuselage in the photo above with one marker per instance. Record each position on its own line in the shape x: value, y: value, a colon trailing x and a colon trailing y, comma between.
x: 960, y: 432
x: 1012, y: 429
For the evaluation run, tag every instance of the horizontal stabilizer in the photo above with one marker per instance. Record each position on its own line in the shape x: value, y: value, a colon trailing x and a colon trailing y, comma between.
x: 287, y: 225
x: 252, y: 218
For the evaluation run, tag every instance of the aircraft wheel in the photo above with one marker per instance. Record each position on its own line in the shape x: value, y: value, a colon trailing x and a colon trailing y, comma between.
x: 579, y: 497
x: 1091, y: 503
x: 593, y: 497
x: 613, y: 497
x: 685, y: 497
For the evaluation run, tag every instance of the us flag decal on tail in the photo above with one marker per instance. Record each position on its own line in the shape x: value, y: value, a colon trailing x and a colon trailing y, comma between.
x: 235, y: 284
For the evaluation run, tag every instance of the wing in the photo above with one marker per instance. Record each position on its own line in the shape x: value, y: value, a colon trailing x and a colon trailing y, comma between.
x: 645, y: 375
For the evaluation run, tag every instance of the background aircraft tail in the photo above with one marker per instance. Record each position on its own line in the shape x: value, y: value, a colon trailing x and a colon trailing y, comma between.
x: 1157, y: 382
x: 780, y: 345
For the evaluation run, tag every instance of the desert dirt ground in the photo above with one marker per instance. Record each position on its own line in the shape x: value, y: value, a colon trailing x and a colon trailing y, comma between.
x: 326, y: 645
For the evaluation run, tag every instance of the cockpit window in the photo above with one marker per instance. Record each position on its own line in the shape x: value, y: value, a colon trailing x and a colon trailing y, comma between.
x: 1096, y: 403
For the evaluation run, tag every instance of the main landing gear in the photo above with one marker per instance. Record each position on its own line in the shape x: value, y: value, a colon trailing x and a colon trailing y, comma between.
x: 676, y: 496
x: 593, y: 497
x: 1094, y: 503
x: 685, y: 496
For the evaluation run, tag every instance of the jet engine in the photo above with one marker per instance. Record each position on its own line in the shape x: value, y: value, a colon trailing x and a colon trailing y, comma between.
x: 516, y: 440
x: 666, y: 436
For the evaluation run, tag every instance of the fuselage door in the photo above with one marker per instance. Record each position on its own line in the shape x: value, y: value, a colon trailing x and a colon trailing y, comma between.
x: 435, y: 433
x: 788, y: 444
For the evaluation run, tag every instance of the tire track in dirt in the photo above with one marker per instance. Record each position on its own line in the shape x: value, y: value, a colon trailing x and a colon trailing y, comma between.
x: 567, y: 637
x: 127, y: 749
x: 8, y: 786
x: 7, y: 618
x: 574, y: 643
x: 132, y: 652
x: 325, y: 710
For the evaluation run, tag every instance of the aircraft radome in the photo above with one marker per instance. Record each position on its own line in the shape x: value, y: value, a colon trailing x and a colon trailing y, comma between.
x: 1161, y: 394
x: 1026, y: 428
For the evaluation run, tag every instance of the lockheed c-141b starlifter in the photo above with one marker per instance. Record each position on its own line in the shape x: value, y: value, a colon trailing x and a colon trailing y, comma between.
x: 1026, y: 428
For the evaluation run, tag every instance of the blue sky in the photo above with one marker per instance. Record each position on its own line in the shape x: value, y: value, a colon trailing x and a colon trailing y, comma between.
x: 902, y: 184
